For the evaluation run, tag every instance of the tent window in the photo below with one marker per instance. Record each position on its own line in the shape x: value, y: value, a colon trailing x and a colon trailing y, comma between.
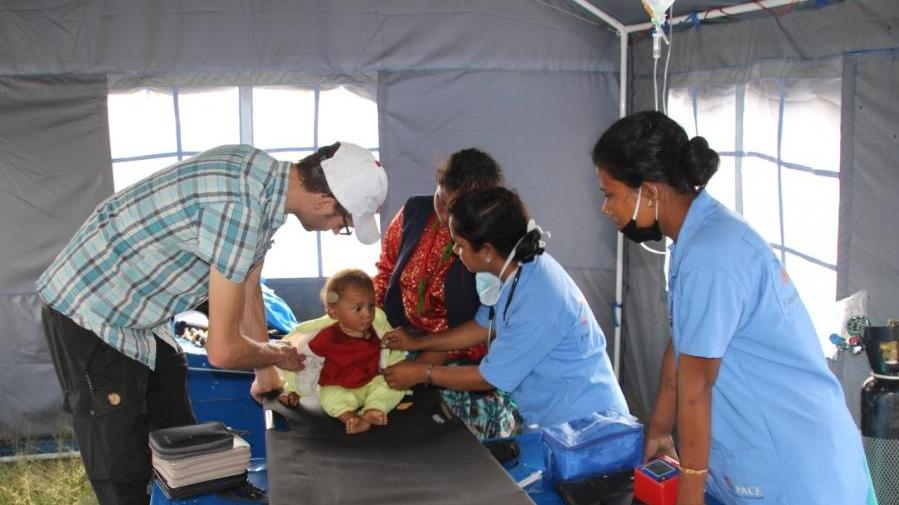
x: 151, y: 128
x: 779, y: 141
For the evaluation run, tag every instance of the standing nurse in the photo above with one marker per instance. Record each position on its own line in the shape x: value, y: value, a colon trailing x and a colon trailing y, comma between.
x: 760, y: 417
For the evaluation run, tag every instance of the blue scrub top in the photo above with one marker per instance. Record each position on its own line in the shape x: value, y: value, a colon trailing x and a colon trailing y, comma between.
x: 781, y: 431
x: 549, y: 352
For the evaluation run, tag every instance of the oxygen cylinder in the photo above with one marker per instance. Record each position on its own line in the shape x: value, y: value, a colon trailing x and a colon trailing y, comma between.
x: 880, y: 411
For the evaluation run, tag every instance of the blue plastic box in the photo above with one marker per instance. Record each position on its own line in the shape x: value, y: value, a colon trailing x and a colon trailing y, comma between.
x: 224, y: 395
x: 602, y: 443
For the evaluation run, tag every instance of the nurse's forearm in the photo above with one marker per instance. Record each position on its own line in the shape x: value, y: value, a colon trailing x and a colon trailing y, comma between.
x: 695, y: 380
x: 665, y: 410
x: 465, y: 335
x: 460, y: 378
x: 432, y: 357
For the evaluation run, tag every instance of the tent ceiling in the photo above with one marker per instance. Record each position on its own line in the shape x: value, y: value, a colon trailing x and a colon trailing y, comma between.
x: 630, y: 12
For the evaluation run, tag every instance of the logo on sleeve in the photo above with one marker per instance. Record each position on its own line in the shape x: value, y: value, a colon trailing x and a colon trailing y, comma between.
x: 744, y: 491
x: 583, y: 317
x: 787, y: 292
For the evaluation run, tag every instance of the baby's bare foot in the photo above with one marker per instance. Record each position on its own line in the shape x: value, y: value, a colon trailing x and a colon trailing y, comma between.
x: 354, y: 423
x: 375, y: 417
x: 290, y: 399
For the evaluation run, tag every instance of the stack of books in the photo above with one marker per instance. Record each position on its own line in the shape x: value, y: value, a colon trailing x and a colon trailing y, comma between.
x: 198, y: 459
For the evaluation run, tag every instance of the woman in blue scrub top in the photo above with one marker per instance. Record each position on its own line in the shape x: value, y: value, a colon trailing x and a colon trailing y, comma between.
x: 548, y: 351
x: 760, y: 417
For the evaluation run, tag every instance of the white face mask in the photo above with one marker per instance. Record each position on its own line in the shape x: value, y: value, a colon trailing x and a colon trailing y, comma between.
x: 489, y: 286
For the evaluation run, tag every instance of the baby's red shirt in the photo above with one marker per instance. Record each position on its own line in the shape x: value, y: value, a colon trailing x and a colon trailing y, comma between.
x: 349, y: 362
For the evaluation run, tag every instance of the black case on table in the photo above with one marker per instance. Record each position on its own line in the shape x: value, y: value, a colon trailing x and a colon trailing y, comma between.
x: 191, y: 440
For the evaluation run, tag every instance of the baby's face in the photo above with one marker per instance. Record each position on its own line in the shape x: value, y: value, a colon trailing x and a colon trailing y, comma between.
x: 355, y: 311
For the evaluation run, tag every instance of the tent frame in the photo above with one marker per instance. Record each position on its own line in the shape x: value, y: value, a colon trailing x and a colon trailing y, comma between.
x: 624, y: 32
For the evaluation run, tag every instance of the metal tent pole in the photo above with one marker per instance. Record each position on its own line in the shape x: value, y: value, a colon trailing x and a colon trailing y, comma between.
x: 622, y: 111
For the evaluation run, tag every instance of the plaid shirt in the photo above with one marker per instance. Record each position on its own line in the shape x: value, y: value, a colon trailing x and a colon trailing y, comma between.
x: 145, y: 253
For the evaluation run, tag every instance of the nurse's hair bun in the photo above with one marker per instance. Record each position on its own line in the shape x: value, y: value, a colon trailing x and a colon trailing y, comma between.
x: 648, y: 146
x: 531, y: 244
x: 698, y: 162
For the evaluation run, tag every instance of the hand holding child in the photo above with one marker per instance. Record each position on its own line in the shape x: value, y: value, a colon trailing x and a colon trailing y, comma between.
x: 399, y: 339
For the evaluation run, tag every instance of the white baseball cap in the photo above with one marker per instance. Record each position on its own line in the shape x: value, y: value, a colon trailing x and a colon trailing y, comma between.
x: 360, y: 185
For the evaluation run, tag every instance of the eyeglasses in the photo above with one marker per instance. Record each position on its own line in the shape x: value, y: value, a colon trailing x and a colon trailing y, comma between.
x: 346, y: 226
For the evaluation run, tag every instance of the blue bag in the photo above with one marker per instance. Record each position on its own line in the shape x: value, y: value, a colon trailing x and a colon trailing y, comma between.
x: 601, y: 443
x: 277, y: 313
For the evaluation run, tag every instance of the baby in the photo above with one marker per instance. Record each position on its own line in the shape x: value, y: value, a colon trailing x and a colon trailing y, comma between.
x: 351, y: 387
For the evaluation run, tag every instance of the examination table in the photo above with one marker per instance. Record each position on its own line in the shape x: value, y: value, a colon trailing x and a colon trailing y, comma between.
x: 422, y: 457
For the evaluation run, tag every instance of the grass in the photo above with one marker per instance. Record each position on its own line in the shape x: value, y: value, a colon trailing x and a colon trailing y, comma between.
x: 45, y: 482
x: 32, y: 481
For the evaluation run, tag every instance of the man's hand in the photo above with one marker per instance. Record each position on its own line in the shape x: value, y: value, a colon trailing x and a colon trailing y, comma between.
x: 404, y: 375
x: 267, y: 380
x: 399, y: 339
x: 289, y: 358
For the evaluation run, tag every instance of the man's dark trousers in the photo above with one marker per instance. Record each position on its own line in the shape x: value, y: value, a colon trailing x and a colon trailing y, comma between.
x: 115, y: 401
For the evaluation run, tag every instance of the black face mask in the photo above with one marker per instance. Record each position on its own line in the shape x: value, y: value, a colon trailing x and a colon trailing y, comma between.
x: 638, y: 235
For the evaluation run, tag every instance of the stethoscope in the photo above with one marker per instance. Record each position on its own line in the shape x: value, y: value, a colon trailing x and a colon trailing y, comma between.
x: 492, y: 314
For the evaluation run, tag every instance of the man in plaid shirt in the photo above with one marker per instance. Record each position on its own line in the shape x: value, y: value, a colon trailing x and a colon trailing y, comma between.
x: 196, y: 231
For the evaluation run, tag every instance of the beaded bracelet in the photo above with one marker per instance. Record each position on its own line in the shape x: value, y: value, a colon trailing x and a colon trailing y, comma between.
x: 694, y: 471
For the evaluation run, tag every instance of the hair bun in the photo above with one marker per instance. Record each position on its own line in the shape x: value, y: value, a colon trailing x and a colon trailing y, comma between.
x: 699, y: 162
x: 531, y: 246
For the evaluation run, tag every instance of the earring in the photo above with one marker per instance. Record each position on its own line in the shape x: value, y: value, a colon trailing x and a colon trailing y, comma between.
x: 489, y: 259
x: 650, y: 203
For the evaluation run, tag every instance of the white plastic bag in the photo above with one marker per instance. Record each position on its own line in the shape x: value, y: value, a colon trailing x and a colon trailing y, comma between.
x: 307, y: 378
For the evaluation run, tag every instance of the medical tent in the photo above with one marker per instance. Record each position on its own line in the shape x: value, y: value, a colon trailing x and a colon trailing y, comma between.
x: 533, y: 82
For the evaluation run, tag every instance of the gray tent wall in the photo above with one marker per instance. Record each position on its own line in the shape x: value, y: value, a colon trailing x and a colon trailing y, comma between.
x: 542, y: 121
x: 855, y: 39
x: 525, y: 81
x: 52, y: 174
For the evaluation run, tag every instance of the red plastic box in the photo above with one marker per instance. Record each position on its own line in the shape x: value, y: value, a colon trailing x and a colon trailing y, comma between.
x: 656, y: 482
